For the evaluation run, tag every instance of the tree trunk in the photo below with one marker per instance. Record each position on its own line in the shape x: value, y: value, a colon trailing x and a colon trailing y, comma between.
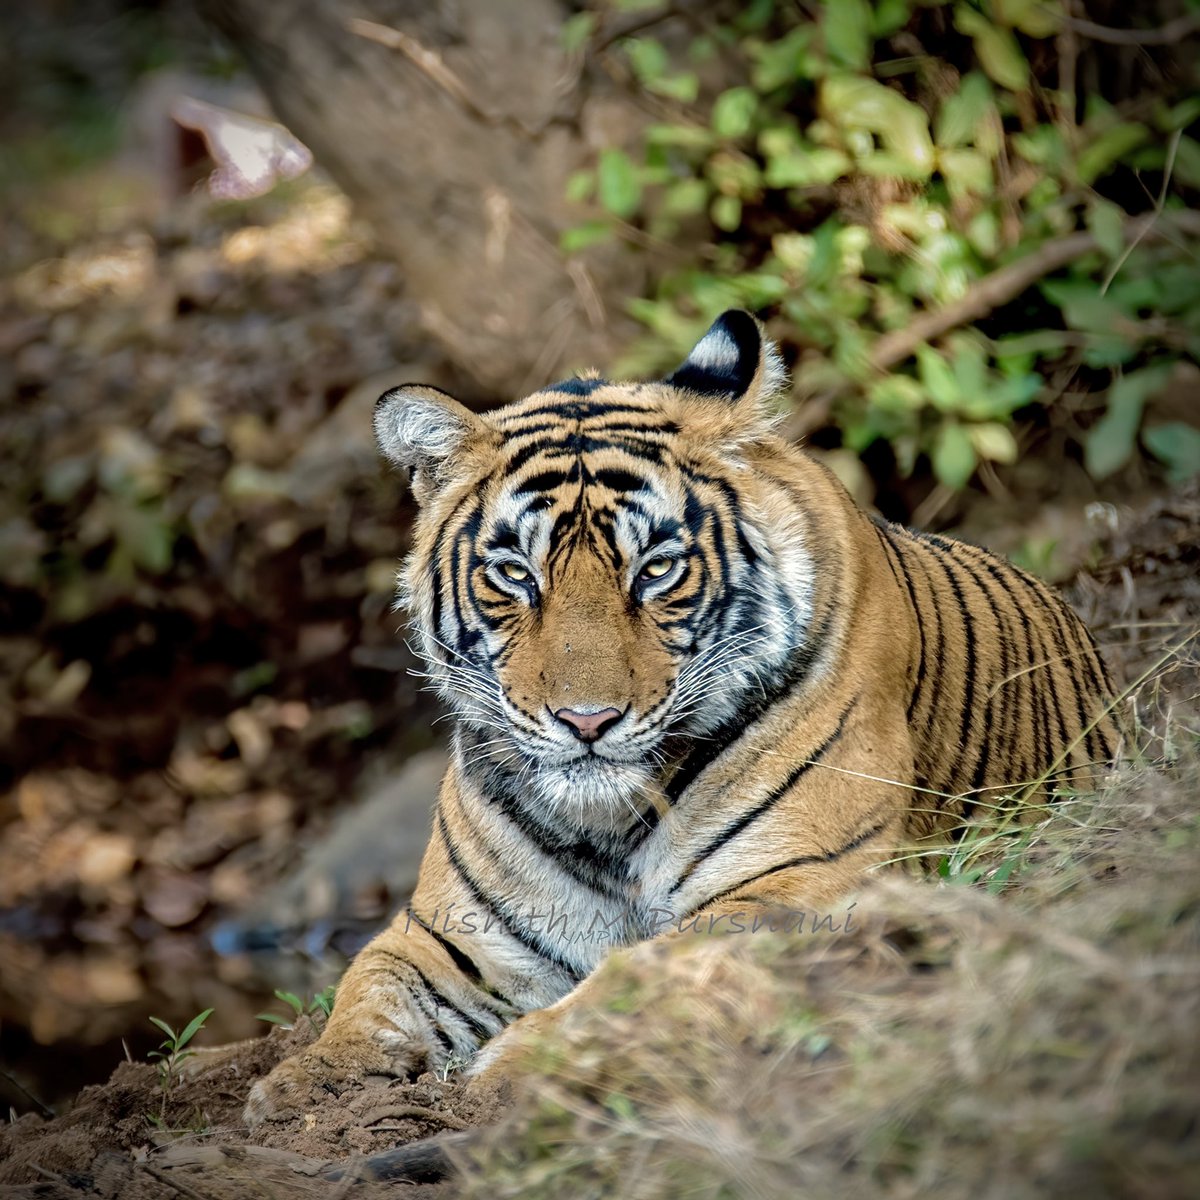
x: 456, y: 141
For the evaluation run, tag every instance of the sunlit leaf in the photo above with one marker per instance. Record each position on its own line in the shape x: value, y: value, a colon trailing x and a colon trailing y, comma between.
x: 997, y: 48
x: 1037, y: 18
x: 993, y: 442
x: 846, y: 26
x: 902, y: 126
x: 961, y: 115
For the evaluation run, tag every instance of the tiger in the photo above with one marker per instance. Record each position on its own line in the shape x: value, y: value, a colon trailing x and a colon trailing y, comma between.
x: 689, y: 676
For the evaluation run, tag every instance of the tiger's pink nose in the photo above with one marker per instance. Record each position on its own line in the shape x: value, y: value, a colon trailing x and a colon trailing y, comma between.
x: 589, y: 726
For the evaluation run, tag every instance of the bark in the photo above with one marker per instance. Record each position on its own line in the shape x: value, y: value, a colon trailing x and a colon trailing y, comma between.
x: 456, y: 141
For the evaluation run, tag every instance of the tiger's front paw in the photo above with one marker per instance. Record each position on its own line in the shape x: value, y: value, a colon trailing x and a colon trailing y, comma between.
x: 328, y: 1066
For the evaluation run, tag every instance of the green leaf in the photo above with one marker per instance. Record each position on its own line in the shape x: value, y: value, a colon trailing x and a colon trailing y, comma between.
x: 1083, y: 306
x: 688, y: 137
x: 686, y: 198
x: 726, y: 213
x: 993, y: 442
x: 953, y: 456
x: 580, y: 186
x: 937, y: 378
x: 965, y: 172
x: 961, y: 115
x: 997, y: 49
x: 809, y: 167
x: 786, y: 60
x: 684, y: 87
x: 618, y: 185
x: 1109, y: 148
x: 1107, y: 224
x: 647, y: 57
x: 852, y: 102
x: 290, y: 999
x: 1038, y: 18
x: 164, y: 1027
x: 733, y: 112
x: 1108, y: 445
x: 273, y: 1019
x: 889, y: 17
x: 1178, y: 445
x: 847, y: 28
x: 193, y: 1027
x: 576, y: 30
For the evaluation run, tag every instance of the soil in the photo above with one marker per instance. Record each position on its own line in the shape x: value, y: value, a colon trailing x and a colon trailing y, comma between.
x: 127, y: 1137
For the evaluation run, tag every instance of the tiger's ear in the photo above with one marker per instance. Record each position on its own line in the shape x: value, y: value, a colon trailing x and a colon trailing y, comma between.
x: 733, y: 361
x: 422, y: 428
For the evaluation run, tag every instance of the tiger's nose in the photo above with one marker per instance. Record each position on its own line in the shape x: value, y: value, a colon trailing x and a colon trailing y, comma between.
x: 589, y: 726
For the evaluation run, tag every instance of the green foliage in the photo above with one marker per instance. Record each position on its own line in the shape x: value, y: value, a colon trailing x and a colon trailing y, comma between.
x: 171, y: 1053
x: 853, y: 172
x: 320, y: 1004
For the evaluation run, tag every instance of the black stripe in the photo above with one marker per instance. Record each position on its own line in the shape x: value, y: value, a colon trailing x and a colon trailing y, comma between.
x: 890, y: 550
x: 723, y: 738
x: 511, y: 925
x: 462, y: 960
x: 735, y: 827
x: 803, y: 860
x: 946, y: 560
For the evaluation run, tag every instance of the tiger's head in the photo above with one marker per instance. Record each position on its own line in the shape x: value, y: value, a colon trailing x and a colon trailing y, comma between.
x: 599, y: 570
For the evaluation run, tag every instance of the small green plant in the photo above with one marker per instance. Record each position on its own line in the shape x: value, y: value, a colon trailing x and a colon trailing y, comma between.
x: 454, y: 1063
x: 170, y: 1054
x: 321, y: 1003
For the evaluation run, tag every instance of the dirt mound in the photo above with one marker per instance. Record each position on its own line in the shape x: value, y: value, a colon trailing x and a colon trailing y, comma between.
x: 131, y: 1138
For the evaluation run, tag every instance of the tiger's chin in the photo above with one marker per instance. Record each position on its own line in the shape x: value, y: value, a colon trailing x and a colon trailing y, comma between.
x: 593, y: 791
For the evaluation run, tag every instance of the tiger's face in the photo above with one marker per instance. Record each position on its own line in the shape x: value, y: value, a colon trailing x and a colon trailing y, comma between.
x: 593, y: 573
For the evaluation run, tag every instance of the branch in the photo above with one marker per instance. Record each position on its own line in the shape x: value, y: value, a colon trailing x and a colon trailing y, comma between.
x: 1165, y: 35
x: 1009, y: 282
x: 983, y: 297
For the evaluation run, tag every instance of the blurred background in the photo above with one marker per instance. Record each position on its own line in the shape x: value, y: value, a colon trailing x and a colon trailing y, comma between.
x: 226, y: 226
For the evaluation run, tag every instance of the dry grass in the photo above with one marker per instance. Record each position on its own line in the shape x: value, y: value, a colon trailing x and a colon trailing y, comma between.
x: 1039, y: 1040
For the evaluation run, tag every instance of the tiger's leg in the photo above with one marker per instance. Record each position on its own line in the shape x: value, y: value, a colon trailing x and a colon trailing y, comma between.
x: 413, y: 997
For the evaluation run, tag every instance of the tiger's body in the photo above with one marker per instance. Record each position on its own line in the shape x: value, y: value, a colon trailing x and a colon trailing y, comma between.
x: 691, y: 677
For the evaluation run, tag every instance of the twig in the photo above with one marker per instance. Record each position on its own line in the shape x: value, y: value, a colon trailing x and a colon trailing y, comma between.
x: 981, y: 298
x: 1165, y: 35
x: 46, y: 1109
x: 431, y: 64
x: 184, y: 1189
x: 399, y: 1111
x: 1158, y: 207
x: 1006, y: 284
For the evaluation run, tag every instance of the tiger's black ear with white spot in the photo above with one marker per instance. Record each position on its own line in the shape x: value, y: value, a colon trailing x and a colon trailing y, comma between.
x: 734, y: 360
x: 423, y: 429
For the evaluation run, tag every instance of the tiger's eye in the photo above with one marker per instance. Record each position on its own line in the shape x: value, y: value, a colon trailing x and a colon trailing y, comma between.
x: 656, y: 568
x: 514, y: 571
